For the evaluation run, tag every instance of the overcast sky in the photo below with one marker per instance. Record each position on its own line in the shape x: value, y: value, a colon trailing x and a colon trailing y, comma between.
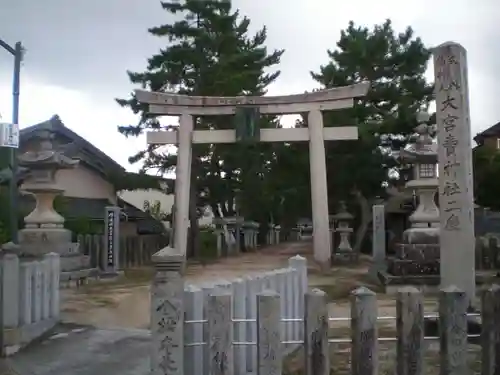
x: 77, y: 55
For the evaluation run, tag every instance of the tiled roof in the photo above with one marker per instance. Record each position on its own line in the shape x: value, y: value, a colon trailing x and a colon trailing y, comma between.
x: 492, y: 131
x: 80, y: 147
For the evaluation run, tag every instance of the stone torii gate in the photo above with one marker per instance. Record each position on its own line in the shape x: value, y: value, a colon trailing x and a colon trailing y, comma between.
x: 313, y: 103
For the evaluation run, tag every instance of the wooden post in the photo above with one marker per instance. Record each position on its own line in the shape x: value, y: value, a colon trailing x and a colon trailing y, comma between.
x: 364, y: 351
x: 410, y: 331
x: 317, y: 360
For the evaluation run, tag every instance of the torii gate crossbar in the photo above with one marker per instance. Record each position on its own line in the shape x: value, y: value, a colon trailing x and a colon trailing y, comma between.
x: 313, y: 103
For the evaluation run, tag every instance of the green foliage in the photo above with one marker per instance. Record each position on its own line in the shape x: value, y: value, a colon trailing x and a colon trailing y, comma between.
x: 79, y: 225
x: 84, y: 225
x: 394, y: 64
x: 486, y: 161
x: 208, y: 244
x: 208, y: 52
x: 140, y: 181
x: 5, y: 216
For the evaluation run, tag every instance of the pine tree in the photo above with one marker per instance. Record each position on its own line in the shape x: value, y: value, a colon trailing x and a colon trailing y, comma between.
x: 395, y: 65
x: 208, y: 52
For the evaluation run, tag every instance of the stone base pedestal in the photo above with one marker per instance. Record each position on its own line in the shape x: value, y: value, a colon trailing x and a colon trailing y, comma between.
x: 344, y: 258
x: 421, y: 236
x: 75, y: 262
x: 36, y: 242
x: 44, y: 237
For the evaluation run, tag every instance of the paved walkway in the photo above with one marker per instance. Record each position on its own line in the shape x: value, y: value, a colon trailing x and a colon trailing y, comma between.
x: 80, y: 350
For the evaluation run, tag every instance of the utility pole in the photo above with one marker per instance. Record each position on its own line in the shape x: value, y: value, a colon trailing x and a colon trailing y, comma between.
x: 17, y: 52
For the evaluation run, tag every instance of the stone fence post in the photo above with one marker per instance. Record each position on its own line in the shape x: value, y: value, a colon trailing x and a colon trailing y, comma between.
x: 167, y: 313
x: 269, y: 348
x: 410, y: 332
x: 364, y: 334
x: 316, y: 348
x: 490, y: 330
x: 453, y: 304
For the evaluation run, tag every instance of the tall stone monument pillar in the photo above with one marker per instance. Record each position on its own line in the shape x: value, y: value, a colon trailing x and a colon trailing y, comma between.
x: 455, y: 168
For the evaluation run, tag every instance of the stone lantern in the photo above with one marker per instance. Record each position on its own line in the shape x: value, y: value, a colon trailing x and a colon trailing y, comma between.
x: 344, y: 219
x: 423, y: 155
x: 44, y: 230
x: 416, y: 261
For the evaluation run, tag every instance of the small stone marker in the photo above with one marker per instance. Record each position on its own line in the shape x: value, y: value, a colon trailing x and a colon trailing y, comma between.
x: 455, y: 168
x: 110, y: 261
x: 167, y: 313
x: 378, y: 242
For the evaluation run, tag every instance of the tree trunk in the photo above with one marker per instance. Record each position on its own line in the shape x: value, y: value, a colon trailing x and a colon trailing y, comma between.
x: 366, y: 219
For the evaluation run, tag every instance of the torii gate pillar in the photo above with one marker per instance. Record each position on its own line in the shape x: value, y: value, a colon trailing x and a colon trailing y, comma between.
x: 311, y: 103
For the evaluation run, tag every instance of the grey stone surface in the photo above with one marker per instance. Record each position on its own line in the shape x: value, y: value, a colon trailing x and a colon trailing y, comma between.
x: 317, y: 361
x: 167, y: 313
x: 456, y: 191
x: 379, y: 243
x: 364, y: 332
x: 490, y: 330
x: 422, y: 236
x: 410, y: 331
x: 269, y: 351
x: 220, y: 330
x: 78, y: 350
x: 453, y: 304
x: 18, y: 337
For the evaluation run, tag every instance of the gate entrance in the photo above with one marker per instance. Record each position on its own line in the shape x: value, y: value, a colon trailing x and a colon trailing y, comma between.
x: 186, y: 107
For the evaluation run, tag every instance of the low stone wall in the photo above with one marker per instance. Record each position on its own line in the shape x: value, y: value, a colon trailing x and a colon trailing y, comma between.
x: 31, y: 298
x: 168, y: 291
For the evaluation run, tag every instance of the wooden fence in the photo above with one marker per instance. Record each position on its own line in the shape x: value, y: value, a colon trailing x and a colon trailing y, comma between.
x: 221, y: 348
x: 134, y: 251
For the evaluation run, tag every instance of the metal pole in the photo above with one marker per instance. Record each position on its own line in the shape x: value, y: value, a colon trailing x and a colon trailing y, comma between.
x: 17, y: 52
x: 18, y: 56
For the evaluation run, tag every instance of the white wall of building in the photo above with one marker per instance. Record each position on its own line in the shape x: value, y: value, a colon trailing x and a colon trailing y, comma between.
x: 137, y: 198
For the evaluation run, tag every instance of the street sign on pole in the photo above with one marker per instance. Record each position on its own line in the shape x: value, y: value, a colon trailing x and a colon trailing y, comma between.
x: 9, y: 135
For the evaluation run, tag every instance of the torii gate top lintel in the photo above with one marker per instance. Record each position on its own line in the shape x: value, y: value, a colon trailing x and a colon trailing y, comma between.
x: 170, y: 99
x: 314, y: 103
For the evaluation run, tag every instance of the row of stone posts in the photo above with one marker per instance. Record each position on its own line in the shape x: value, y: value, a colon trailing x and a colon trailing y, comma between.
x: 235, y: 235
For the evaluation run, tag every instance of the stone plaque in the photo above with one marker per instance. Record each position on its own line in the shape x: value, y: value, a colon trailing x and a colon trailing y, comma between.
x: 112, y: 239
